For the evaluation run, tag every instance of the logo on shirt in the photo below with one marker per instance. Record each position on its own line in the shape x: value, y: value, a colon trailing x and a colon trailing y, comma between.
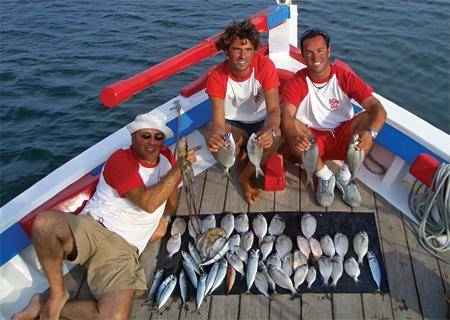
x: 334, y: 104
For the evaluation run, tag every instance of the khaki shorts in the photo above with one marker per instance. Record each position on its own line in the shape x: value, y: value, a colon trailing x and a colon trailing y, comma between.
x: 111, y: 262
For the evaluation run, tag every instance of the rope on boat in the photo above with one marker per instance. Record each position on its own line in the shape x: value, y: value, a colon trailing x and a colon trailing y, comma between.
x: 432, y: 207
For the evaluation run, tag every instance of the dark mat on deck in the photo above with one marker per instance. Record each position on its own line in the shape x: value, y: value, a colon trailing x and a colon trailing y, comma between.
x: 327, y: 223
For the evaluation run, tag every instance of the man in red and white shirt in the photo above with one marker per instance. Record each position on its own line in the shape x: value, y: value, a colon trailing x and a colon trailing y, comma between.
x: 244, y: 95
x: 316, y: 102
x: 136, y: 194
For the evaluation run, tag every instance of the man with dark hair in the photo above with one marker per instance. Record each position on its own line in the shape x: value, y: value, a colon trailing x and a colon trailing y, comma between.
x: 135, y: 197
x: 316, y: 102
x: 244, y: 95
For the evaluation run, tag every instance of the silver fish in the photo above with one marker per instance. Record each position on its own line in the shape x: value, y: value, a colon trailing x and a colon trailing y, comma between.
x: 310, y: 159
x: 300, y: 275
x: 283, y: 246
x: 201, y: 290
x: 327, y: 245
x: 191, y: 261
x: 227, y: 224
x: 211, y: 277
x: 352, y: 268
x: 374, y: 268
x: 341, y: 244
x: 235, y: 262
x: 267, y: 246
x: 338, y: 268
x: 188, y: 176
x: 166, y: 291
x: 209, y: 222
x: 226, y: 155
x: 354, y: 157
x: 235, y: 241
x: 311, y: 276
x: 182, y: 283
x: 221, y: 273
x: 261, y: 284
x: 303, y: 245
x: 252, y: 268
x: 277, y: 225
x: 259, y: 225
x: 255, y: 154
x: 361, y: 245
x: 274, y: 260
x: 173, y: 245
x: 178, y: 226
x: 308, y: 225
x: 242, y: 254
x: 247, y: 240
x: 281, y: 279
x: 192, y: 276
x: 194, y: 226
x: 325, y: 268
x: 194, y: 253
x: 241, y: 224
x: 155, y: 285
x: 262, y: 268
x: 315, y: 247
x: 286, y: 264
x: 298, y: 259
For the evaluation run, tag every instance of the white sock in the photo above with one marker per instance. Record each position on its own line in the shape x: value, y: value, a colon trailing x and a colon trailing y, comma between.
x: 344, y: 174
x: 324, y: 173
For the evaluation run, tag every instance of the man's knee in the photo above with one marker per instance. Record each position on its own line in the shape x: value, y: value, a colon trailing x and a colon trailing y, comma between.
x: 116, y: 305
x: 44, y: 223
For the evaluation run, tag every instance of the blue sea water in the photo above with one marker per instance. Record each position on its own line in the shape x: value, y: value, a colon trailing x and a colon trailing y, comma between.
x: 56, y: 56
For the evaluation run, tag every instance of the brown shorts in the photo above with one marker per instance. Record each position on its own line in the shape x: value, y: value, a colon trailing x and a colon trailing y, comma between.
x: 111, y: 262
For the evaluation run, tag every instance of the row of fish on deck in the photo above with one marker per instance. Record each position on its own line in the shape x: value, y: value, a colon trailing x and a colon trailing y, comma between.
x: 227, y: 253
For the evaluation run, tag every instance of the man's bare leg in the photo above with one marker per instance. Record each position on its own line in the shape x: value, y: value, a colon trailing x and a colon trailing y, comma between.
x: 52, y: 238
x: 32, y: 310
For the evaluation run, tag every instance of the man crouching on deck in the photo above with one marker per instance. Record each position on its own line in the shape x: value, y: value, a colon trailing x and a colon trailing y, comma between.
x: 136, y: 194
x: 244, y: 95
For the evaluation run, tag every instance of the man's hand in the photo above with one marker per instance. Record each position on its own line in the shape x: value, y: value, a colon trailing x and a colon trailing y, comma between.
x: 160, y: 230
x: 365, y: 141
x: 302, y: 143
x: 265, y: 138
x: 215, y: 141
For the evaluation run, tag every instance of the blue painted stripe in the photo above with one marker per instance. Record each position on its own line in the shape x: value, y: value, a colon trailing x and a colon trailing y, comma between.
x: 97, y: 170
x: 277, y: 17
x: 12, y: 241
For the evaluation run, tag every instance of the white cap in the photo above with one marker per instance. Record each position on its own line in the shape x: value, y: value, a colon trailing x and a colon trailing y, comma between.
x: 150, y: 121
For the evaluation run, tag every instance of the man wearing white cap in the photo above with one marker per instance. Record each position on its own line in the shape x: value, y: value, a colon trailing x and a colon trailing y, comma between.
x: 136, y: 194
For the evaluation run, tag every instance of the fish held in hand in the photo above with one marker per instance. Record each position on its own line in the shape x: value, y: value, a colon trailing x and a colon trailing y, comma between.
x: 255, y: 154
x: 308, y: 225
x: 310, y: 159
x: 277, y: 225
x: 361, y: 245
x: 354, y: 157
x: 187, y: 174
x: 259, y: 224
x: 226, y: 156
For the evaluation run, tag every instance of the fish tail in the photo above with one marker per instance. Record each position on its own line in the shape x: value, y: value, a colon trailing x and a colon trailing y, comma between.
x: 226, y: 174
x: 259, y: 172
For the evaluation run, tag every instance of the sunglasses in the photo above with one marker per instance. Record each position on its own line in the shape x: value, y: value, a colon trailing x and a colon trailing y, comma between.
x: 157, y: 136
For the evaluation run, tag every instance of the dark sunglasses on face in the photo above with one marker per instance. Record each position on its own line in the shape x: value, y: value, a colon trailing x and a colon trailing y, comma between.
x: 157, y: 136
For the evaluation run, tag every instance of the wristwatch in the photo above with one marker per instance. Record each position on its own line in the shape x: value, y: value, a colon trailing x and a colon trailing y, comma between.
x: 373, y: 133
x: 167, y: 218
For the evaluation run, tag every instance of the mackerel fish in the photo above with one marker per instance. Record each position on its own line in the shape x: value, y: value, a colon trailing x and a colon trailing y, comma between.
x: 211, y: 277
x: 374, y: 268
x: 262, y: 268
x: 226, y: 155
x: 354, y: 157
x: 221, y: 273
x: 252, y: 268
x: 165, y: 290
x: 192, y: 276
x: 156, y: 282
x: 182, y: 283
x: 188, y: 177
x: 310, y: 159
x: 201, y: 290
x: 255, y: 154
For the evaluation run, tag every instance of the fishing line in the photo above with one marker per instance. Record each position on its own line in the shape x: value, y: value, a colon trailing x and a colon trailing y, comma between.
x: 432, y: 207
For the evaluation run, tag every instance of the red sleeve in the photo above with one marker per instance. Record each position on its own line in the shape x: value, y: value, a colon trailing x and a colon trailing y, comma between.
x: 266, y: 73
x: 352, y: 85
x: 121, y: 172
x: 295, y: 90
x: 216, y: 84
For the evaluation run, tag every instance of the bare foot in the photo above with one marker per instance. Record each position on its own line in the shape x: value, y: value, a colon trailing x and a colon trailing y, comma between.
x: 32, y: 309
x: 251, y: 192
x: 53, y: 306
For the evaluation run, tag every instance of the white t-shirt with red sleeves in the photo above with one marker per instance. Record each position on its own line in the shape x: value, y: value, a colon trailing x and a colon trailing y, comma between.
x: 123, y: 172
x: 324, y: 106
x: 244, y: 99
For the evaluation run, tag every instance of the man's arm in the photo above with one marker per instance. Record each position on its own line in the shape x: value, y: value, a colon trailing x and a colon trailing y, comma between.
x: 295, y: 132
x: 377, y: 117
x: 169, y: 210
x: 273, y: 118
x: 217, y: 128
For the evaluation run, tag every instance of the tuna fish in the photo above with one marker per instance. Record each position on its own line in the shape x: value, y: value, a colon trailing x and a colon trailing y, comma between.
x: 155, y: 285
x: 226, y: 155
x: 267, y: 246
x: 283, y: 246
x: 361, y: 245
x: 227, y: 224
x: 178, y: 226
x: 255, y: 154
x: 173, y: 245
x: 201, y: 290
x: 326, y: 243
x: 241, y: 223
x: 338, y: 268
x: 209, y: 222
x: 277, y: 225
x: 252, y: 268
x: 374, y: 268
x: 325, y: 268
x: 308, y: 225
x: 341, y: 244
x: 311, y: 276
x: 352, y: 268
x: 300, y: 275
x: 310, y: 159
x: 354, y: 157
x: 303, y: 245
x: 259, y: 225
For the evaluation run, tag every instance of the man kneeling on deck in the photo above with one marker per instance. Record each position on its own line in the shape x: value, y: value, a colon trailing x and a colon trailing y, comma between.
x: 244, y: 95
x: 136, y: 194
x: 316, y: 106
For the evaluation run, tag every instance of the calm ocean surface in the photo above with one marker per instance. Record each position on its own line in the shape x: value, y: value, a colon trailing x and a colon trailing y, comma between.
x: 56, y: 56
